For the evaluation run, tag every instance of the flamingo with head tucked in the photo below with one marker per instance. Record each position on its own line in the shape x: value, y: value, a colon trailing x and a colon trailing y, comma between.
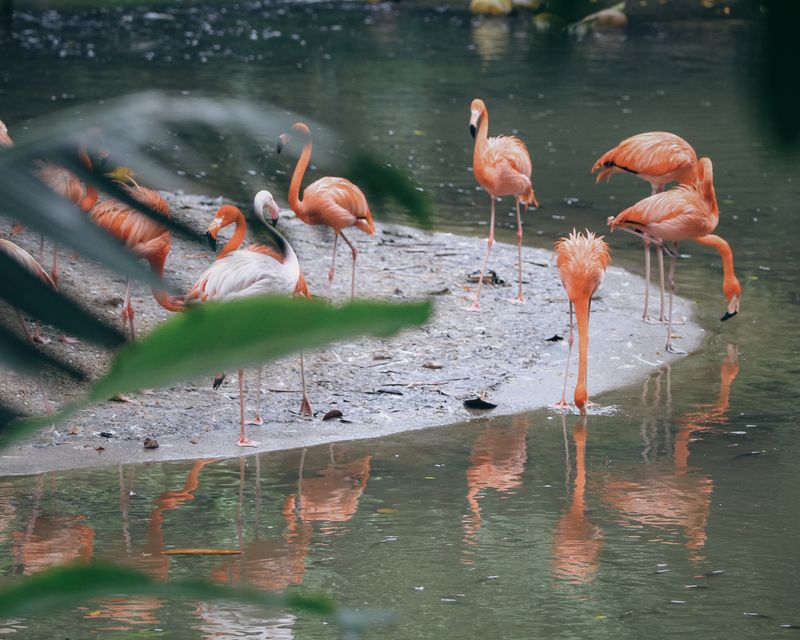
x: 256, y: 270
x: 582, y: 261
x: 145, y: 238
x: 335, y: 202
x: 683, y: 213
x: 657, y: 157
x: 503, y: 167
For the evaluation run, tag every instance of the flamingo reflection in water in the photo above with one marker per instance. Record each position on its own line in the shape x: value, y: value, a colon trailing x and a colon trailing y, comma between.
x: 663, y: 497
x: 50, y: 540
x: 577, y: 541
x: 497, y: 462
x: 126, y: 613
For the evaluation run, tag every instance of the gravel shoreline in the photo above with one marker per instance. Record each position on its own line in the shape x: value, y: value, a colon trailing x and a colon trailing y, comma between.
x: 416, y: 380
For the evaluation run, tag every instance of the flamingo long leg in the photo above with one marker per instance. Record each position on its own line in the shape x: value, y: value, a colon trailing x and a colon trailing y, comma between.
x: 257, y: 419
x: 660, y: 252
x: 671, y: 285
x: 305, y: 405
x: 646, y: 315
x: 519, y: 299
x: 354, y: 253
x: 127, y: 311
x: 332, y: 271
x: 54, y: 268
x: 563, y: 404
x: 476, y: 304
x: 244, y: 441
x: 24, y: 326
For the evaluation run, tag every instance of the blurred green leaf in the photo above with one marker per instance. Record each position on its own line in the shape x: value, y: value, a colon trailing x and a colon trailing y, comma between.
x: 380, y: 181
x: 223, y: 335
x: 71, y: 585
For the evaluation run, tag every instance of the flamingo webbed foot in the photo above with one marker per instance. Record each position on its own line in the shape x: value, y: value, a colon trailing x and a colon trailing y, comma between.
x: 517, y: 300
x: 305, y: 408
x: 256, y: 420
x: 561, y: 405
x: 68, y: 339
x: 475, y: 306
x: 331, y: 273
x: 247, y: 442
x: 40, y: 339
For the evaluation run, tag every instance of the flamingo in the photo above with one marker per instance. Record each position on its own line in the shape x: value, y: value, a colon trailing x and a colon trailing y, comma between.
x: 5, y: 139
x: 502, y: 166
x: 683, y: 213
x: 66, y: 184
x: 256, y: 270
x: 30, y: 263
x: 143, y: 236
x: 228, y: 215
x: 335, y: 202
x: 582, y: 261
x: 658, y: 157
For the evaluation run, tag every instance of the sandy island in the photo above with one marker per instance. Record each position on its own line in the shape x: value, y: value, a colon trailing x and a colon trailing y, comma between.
x: 416, y: 380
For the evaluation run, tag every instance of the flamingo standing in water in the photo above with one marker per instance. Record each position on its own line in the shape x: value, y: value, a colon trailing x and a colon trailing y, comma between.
x: 143, y: 236
x: 228, y: 215
x: 503, y: 167
x: 335, y: 202
x: 256, y: 270
x: 582, y: 261
x: 684, y: 213
x: 659, y: 158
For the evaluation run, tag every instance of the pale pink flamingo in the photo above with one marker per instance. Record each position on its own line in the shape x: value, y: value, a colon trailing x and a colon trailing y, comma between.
x: 582, y: 261
x: 683, y: 213
x: 659, y: 158
x: 145, y: 237
x: 228, y: 215
x: 5, y: 139
x: 335, y: 202
x: 503, y: 167
x: 30, y: 263
x: 256, y: 270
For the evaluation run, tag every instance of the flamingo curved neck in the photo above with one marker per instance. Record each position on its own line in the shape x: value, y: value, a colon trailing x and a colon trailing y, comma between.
x: 297, y: 177
x: 480, y: 138
x: 730, y: 281
x: 238, y: 236
x: 582, y: 316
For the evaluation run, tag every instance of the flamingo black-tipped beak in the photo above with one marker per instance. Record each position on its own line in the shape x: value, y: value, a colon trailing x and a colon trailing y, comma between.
x: 280, y: 145
x: 728, y: 315
x: 472, y: 130
x: 212, y: 241
x: 282, y: 140
x: 274, y: 222
x: 218, y: 380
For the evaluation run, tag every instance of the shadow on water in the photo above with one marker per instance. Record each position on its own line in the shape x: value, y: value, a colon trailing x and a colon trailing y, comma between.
x: 679, y: 509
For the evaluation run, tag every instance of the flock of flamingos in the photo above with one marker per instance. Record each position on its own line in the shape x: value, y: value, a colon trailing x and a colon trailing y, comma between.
x: 502, y: 166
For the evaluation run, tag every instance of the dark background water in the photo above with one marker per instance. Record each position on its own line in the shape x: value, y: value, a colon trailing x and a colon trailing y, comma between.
x: 696, y: 473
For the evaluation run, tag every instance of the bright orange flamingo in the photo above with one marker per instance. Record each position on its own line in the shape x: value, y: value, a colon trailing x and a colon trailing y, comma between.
x: 659, y: 158
x: 683, y: 213
x: 226, y: 216
x: 582, y: 261
x: 335, y: 202
x: 143, y: 236
x: 502, y: 166
x: 577, y: 541
x: 256, y: 270
x: 66, y: 184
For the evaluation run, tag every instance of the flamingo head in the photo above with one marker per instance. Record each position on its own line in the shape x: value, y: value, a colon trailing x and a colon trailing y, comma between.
x: 733, y: 292
x: 226, y: 214
x: 265, y: 202
x: 476, y: 109
x: 284, y: 138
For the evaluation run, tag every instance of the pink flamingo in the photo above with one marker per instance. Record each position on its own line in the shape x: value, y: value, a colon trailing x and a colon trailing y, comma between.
x: 256, y: 270
x: 659, y: 158
x: 683, y: 213
x: 335, y: 202
x: 145, y: 238
x: 582, y: 261
x: 503, y: 167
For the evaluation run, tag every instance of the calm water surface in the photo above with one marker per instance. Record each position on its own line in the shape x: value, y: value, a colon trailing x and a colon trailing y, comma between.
x: 676, y: 515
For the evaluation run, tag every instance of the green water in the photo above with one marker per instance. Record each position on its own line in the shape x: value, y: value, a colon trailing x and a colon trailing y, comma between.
x: 682, y: 516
